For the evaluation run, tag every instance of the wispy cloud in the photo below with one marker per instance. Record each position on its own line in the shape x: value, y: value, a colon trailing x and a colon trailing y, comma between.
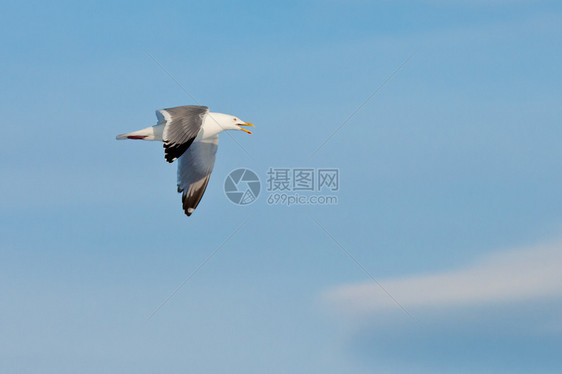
x: 519, y: 275
x: 452, y: 2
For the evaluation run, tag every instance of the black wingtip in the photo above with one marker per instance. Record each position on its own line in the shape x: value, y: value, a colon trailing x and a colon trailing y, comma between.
x: 173, y: 151
x: 187, y: 203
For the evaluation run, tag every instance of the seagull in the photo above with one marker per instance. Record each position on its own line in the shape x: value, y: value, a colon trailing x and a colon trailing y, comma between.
x: 190, y: 134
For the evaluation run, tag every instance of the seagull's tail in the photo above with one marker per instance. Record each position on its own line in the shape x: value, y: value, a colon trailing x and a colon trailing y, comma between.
x: 149, y: 133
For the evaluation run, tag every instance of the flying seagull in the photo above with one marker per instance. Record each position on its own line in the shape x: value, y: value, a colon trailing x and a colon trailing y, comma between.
x: 190, y: 135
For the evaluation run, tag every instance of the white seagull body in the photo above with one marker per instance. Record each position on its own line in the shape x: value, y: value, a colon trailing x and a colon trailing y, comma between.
x: 190, y: 135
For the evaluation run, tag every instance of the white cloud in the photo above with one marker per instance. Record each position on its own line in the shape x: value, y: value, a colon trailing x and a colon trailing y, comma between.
x: 522, y: 275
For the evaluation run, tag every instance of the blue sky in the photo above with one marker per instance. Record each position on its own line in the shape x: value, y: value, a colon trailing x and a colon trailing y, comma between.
x: 449, y: 188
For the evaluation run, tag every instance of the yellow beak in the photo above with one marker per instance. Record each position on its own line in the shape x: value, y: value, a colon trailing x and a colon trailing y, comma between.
x: 246, y: 124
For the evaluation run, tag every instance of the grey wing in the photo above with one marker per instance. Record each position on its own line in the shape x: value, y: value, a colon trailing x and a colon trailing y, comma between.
x: 194, y: 170
x: 182, y: 126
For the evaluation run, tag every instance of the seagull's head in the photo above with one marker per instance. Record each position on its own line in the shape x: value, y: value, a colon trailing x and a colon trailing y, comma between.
x: 238, y: 123
x: 229, y: 122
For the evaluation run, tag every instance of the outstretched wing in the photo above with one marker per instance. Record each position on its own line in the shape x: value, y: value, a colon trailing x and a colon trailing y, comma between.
x: 182, y: 126
x: 194, y: 170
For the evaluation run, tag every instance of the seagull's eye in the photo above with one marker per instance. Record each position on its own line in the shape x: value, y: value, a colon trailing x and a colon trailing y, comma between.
x: 235, y: 119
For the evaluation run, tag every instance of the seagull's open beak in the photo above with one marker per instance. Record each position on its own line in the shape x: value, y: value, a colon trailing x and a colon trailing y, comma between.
x: 246, y: 124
